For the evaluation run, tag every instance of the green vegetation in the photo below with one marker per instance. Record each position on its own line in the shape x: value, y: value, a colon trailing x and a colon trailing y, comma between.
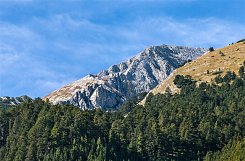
x: 187, y: 61
x: 243, y: 40
x: 211, y: 49
x: 217, y: 72
x: 181, y: 81
x: 233, y: 151
x: 204, y: 122
x: 6, y: 102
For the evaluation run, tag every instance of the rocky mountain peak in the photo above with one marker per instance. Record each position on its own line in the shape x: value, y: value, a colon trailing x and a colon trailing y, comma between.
x: 112, y: 87
x: 7, y: 101
x: 217, y: 62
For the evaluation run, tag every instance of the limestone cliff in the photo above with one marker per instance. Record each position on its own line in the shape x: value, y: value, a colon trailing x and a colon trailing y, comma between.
x: 111, y: 88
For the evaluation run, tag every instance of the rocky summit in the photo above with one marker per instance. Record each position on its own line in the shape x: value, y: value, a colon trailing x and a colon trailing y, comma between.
x: 208, y: 66
x: 6, y: 101
x: 111, y: 88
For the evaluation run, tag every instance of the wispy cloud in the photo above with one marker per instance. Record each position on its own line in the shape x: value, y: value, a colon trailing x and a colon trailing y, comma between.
x: 47, y: 52
x: 191, y: 32
x: 94, y: 38
x: 20, y: 68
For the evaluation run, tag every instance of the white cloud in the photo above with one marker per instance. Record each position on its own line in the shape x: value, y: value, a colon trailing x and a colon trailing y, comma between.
x: 21, y: 38
x: 141, y: 32
x: 8, y: 57
x: 191, y: 32
x: 21, y: 71
x: 45, y: 53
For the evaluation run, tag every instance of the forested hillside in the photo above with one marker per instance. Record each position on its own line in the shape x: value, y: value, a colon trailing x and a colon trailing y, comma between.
x: 204, y: 122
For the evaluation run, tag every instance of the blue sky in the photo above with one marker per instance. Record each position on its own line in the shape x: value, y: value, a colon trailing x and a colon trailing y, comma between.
x: 48, y: 43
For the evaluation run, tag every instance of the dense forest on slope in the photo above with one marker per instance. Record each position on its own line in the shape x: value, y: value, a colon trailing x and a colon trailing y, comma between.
x: 204, y: 122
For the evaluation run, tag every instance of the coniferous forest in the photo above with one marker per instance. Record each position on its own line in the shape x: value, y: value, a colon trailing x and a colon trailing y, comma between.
x: 202, y: 122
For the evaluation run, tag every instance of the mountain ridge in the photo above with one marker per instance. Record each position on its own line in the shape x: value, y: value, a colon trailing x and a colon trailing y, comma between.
x: 112, y: 87
x: 206, y: 67
x: 6, y: 101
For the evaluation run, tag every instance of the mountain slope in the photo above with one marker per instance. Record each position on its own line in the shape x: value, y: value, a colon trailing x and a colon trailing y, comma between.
x: 208, y: 66
x: 12, y: 101
x: 110, y: 88
x: 182, y: 127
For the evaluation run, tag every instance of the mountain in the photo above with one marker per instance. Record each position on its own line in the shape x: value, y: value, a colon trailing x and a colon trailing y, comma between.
x: 201, y: 121
x: 111, y: 88
x: 7, y: 101
x: 208, y: 66
x: 204, y: 122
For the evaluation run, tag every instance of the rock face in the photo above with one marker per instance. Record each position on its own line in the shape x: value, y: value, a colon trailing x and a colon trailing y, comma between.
x: 12, y: 101
x: 111, y: 88
x: 218, y: 62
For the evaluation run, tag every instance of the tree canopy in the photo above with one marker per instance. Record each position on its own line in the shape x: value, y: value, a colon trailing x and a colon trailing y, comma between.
x: 204, y: 122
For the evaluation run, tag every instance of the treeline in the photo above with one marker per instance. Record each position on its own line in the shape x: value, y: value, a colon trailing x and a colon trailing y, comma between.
x: 204, y: 122
x: 39, y: 131
x: 233, y: 151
